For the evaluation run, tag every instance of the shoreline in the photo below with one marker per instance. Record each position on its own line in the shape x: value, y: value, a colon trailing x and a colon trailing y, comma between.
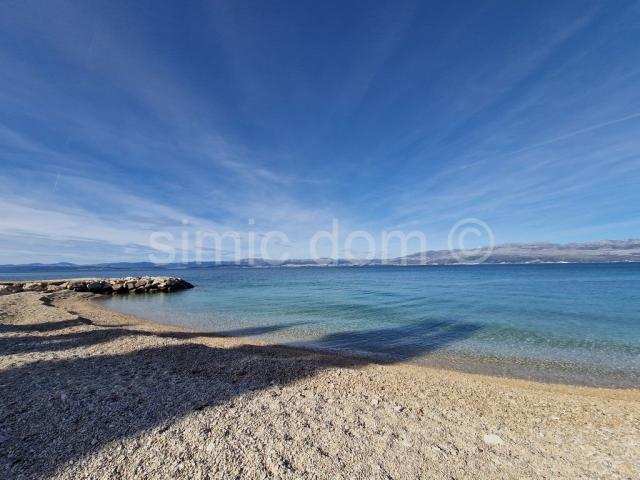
x: 89, y: 391
x: 509, y: 368
x: 448, y: 362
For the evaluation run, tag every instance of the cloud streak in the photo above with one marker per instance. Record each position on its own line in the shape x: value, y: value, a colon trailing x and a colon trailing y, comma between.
x: 119, y: 120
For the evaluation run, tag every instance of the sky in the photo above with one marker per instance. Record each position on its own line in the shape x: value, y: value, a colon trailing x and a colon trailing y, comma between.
x: 124, y: 120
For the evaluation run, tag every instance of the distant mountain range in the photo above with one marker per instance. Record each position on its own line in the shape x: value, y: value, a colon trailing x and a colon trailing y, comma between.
x: 603, y: 251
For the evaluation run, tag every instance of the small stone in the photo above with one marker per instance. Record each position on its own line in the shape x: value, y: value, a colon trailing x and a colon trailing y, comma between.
x: 398, y: 408
x: 492, y: 439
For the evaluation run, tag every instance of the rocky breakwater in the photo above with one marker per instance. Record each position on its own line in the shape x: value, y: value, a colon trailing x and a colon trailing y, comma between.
x: 99, y: 285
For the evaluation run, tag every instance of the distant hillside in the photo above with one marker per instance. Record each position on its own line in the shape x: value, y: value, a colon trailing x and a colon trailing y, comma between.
x: 603, y: 251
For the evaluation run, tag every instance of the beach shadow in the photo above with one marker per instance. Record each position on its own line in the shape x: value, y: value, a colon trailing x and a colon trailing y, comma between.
x: 12, y: 345
x: 56, y: 411
x: 255, y: 331
x: 44, y: 326
x: 397, y: 343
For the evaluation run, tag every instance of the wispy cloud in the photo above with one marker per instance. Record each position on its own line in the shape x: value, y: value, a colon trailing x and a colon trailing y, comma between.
x: 118, y: 121
x: 581, y: 131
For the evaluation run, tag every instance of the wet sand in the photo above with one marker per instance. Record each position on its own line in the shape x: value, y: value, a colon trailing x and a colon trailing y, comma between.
x: 86, y: 392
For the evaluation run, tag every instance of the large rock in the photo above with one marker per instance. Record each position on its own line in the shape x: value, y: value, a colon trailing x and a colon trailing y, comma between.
x: 33, y: 287
x: 6, y: 289
x: 99, y: 287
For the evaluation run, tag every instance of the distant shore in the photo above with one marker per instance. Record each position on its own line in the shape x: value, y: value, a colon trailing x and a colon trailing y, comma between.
x: 9, y: 271
x: 92, y: 392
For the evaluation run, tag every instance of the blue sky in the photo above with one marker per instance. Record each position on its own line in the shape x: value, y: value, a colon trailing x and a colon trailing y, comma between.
x: 119, y: 119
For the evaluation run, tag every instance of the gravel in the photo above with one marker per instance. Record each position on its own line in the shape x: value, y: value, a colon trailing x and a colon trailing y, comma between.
x: 90, y: 393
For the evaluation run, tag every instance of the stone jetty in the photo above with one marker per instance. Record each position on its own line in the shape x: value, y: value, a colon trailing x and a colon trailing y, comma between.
x: 99, y: 285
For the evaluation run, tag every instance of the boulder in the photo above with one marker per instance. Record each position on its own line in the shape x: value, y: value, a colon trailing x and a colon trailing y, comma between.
x: 99, y: 287
x: 32, y: 287
x: 78, y: 286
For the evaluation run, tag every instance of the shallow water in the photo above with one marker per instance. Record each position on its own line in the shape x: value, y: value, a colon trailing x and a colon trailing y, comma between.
x: 565, y: 323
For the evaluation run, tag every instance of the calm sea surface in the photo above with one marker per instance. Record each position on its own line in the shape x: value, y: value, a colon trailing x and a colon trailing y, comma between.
x: 561, y: 323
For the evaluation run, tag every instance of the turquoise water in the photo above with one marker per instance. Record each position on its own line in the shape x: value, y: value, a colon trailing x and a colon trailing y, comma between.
x: 561, y: 323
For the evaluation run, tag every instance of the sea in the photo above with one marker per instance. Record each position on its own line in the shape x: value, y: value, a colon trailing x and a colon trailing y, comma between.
x: 559, y: 323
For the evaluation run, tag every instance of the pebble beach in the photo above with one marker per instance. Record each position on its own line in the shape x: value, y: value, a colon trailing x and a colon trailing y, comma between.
x: 87, y: 392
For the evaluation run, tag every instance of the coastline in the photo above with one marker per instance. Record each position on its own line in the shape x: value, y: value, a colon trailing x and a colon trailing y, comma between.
x: 238, y: 406
x: 446, y: 365
x: 527, y: 369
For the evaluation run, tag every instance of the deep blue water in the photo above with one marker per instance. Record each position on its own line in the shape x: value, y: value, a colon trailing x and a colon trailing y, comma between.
x: 566, y: 323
